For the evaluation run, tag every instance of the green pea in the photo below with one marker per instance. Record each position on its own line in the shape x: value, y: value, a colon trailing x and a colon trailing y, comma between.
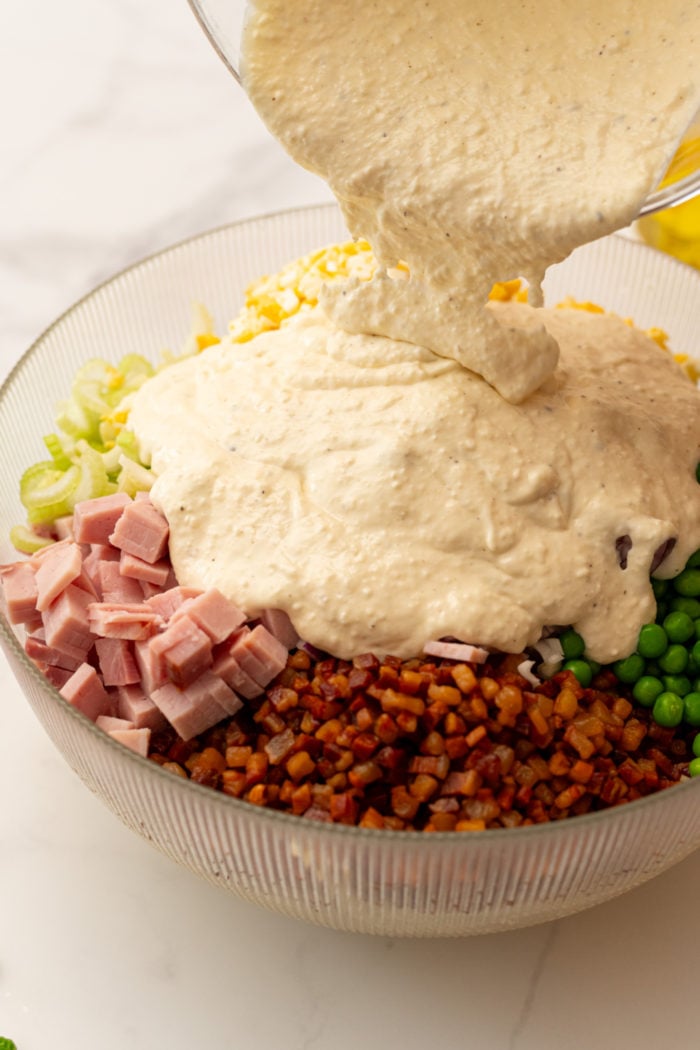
x: 693, y: 668
x: 695, y: 651
x: 668, y: 710
x: 572, y: 643
x: 679, y: 627
x: 693, y: 561
x: 687, y: 583
x: 691, y: 709
x: 696, y: 746
x: 646, y: 689
x: 694, y: 767
x: 660, y: 588
x: 630, y: 669
x: 582, y: 670
x: 691, y: 606
x: 677, y: 683
x: 674, y: 660
x: 697, y: 629
x: 594, y: 666
x: 653, y: 641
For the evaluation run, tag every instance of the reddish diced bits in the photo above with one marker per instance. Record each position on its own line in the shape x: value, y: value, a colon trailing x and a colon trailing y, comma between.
x: 142, y: 531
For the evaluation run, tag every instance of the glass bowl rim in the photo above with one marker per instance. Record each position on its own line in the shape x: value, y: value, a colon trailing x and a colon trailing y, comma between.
x: 219, y: 798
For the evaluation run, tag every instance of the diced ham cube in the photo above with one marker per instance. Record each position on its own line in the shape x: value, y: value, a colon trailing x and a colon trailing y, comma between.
x: 227, y: 667
x: 58, y: 676
x: 134, y: 706
x: 151, y: 666
x: 105, y: 551
x: 85, y: 691
x: 20, y: 591
x: 118, y: 588
x: 66, y: 620
x: 110, y: 722
x: 156, y: 573
x: 63, y: 527
x: 116, y: 660
x: 216, y: 615
x: 278, y: 624
x: 135, y: 739
x: 37, y: 650
x: 169, y: 601
x: 116, y: 620
x: 61, y: 565
x: 186, y: 650
x: 142, y: 531
x: 94, y: 520
x: 201, y: 705
x: 259, y: 654
x: 148, y: 589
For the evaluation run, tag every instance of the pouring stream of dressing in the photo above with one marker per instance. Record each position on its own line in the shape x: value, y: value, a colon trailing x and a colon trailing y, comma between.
x: 474, y: 141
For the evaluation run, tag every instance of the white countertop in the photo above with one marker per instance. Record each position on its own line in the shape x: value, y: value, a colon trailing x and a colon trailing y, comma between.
x: 123, y: 133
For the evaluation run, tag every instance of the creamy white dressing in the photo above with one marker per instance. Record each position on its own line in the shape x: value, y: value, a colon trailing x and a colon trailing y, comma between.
x: 383, y: 495
x: 475, y: 141
x: 349, y: 468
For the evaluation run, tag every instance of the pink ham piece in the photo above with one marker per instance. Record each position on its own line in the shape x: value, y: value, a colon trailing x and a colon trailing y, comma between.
x: 227, y: 667
x: 63, y: 527
x: 85, y: 691
x: 134, y: 706
x: 213, y: 613
x: 278, y: 624
x: 201, y: 705
x: 116, y: 660
x: 94, y: 520
x: 38, y: 651
x: 151, y: 667
x: 169, y: 601
x: 20, y: 591
x: 259, y: 654
x: 61, y: 564
x: 58, y: 676
x: 118, y: 588
x: 110, y: 722
x: 156, y: 573
x: 66, y: 620
x: 142, y: 531
x: 115, y: 620
x: 456, y: 651
x: 136, y: 740
x: 185, y: 649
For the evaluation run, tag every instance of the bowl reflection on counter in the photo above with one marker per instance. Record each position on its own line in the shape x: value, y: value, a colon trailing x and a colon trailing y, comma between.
x: 382, y: 882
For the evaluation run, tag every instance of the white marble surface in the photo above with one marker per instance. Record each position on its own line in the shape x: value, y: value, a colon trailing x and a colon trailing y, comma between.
x: 122, y: 133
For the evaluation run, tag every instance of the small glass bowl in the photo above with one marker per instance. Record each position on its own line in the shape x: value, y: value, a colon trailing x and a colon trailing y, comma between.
x: 382, y: 882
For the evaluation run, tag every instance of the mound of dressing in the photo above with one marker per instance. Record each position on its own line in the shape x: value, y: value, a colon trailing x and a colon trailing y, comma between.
x: 401, y: 463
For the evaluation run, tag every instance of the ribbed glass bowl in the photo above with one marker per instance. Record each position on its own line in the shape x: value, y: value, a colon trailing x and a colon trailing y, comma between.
x: 389, y: 883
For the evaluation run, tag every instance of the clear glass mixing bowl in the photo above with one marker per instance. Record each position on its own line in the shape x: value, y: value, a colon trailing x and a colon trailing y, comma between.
x: 223, y: 20
x: 389, y: 883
